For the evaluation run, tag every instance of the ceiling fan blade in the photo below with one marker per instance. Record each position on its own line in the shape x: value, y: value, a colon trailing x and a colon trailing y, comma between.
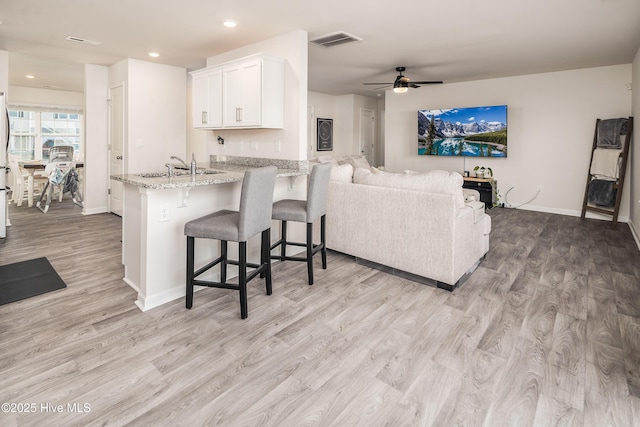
x: 377, y: 83
x: 432, y: 82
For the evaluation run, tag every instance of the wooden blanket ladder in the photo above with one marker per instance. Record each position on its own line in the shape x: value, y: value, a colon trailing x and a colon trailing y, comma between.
x: 618, y: 184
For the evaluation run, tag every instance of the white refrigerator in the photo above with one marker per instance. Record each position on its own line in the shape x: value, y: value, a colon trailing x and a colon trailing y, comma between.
x: 4, y: 145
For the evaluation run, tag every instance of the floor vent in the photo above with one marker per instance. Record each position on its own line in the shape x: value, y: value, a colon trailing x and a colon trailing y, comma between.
x: 335, y: 39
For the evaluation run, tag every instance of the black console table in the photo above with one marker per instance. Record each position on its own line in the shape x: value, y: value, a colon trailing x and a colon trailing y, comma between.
x: 485, y: 186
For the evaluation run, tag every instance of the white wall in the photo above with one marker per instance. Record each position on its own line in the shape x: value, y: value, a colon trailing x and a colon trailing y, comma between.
x: 156, y: 115
x: 4, y: 71
x: 329, y: 107
x: 96, y: 177
x: 196, y: 139
x: 635, y: 152
x: 155, y: 104
x: 345, y: 112
x: 292, y: 47
x: 27, y: 96
x: 551, y: 121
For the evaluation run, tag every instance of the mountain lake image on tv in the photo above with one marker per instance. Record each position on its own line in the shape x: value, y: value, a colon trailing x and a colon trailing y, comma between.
x: 474, y: 132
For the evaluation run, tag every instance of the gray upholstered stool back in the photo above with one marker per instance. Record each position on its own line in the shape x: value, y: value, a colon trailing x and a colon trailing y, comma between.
x: 256, y: 201
x: 318, y: 191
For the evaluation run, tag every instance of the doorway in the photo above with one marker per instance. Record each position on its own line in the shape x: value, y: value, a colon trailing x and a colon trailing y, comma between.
x: 367, y: 134
x: 116, y: 146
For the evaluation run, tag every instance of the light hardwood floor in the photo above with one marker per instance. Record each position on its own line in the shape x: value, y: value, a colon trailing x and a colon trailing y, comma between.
x: 545, y: 332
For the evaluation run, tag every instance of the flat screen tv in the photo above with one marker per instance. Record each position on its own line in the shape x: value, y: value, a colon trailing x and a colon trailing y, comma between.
x: 474, y: 131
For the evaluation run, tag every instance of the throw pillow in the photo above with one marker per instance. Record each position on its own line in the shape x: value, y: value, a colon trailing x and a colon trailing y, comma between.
x: 342, y: 173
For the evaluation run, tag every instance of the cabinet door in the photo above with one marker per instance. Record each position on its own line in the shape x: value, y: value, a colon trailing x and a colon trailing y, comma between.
x: 200, y: 102
x: 242, y: 89
x: 214, y: 95
x: 250, y: 114
x: 232, y: 85
x: 207, y: 100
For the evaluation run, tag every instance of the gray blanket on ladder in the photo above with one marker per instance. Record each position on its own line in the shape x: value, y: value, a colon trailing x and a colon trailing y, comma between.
x: 602, y: 193
x: 609, y: 132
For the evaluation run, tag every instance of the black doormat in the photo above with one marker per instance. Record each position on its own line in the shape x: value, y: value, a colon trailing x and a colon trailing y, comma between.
x: 27, y: 279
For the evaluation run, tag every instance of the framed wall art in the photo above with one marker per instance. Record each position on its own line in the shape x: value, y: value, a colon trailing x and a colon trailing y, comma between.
x: 325, y: 134
x: 475, y: 131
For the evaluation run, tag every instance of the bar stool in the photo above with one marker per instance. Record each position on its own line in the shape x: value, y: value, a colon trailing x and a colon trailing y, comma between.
x: 253, y: 217
x: 305, y: 211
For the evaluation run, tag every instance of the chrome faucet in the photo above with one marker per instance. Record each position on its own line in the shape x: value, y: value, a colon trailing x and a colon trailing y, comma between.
x: 169, y: 169
x: 186, y: 166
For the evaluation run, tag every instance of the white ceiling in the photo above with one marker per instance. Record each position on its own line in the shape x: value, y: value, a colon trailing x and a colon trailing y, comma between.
x: 452, y: 40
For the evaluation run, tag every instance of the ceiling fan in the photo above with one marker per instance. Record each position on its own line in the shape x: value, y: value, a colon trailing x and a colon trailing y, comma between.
x: 402, y: 83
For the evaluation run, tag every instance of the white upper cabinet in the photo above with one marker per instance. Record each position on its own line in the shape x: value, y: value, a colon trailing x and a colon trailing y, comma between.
x: 250, y: 95
x: 207, y: 96
x: 243, y: 89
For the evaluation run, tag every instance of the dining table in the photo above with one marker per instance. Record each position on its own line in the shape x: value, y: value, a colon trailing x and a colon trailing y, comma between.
x: 32, y: 167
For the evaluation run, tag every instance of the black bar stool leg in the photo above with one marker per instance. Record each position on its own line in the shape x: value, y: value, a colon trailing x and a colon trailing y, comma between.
x: 223, y: 264
x: 242, y: 278
x: 310, y: 252
x: 190, y: 268
x: 266, y: 259
x: 322, y: 241
x: 283, y: 240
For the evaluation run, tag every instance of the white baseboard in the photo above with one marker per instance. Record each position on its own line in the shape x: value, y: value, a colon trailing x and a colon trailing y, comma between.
x: 94, y: 211
x: 635, y: 234
x: 571, y: 212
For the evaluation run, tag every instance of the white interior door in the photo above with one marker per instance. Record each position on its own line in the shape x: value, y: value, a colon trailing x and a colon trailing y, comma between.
x: 116, y: 144
x: 367, y: 133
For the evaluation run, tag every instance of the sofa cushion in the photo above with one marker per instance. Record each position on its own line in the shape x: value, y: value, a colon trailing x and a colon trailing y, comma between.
x: 439, y: 182
x: 333, y: 161
x: 342, y: 173
x: 478, y: 210
x: 360, y: 162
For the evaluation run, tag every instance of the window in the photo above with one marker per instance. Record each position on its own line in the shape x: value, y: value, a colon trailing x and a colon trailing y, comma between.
x: 33, y: 133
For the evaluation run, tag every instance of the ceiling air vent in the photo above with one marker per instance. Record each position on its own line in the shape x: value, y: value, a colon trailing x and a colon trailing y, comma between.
x: 81, y: 40
x: 335, y: 39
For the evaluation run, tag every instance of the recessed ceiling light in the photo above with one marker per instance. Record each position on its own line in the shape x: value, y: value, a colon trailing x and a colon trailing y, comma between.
x: 230, y: 23
x: 30, y: 76
x: 154, y: 54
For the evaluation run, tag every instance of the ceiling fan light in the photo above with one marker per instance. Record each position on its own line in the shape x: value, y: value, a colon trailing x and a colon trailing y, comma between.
x: 400, y: 89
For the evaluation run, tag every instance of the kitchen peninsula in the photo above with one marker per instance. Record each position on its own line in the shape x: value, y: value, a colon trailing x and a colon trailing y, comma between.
x: 156, y: 207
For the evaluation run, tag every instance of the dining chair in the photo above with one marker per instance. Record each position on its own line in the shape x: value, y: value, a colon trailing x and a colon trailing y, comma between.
x: 19, y: 189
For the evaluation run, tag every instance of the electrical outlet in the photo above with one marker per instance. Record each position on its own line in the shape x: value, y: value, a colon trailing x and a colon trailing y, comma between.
x: 277, y: 146
x: 539, y: 188
x: 163, y: 214
x: 254, y: 145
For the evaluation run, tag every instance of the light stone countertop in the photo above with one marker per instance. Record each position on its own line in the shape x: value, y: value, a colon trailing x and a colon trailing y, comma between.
x: 213, y: 173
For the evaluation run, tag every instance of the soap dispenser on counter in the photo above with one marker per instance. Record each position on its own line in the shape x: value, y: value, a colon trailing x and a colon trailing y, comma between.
x: 194, y: 165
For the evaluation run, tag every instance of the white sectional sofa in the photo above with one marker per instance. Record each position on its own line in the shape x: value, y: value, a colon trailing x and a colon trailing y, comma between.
x: 409, y: 224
